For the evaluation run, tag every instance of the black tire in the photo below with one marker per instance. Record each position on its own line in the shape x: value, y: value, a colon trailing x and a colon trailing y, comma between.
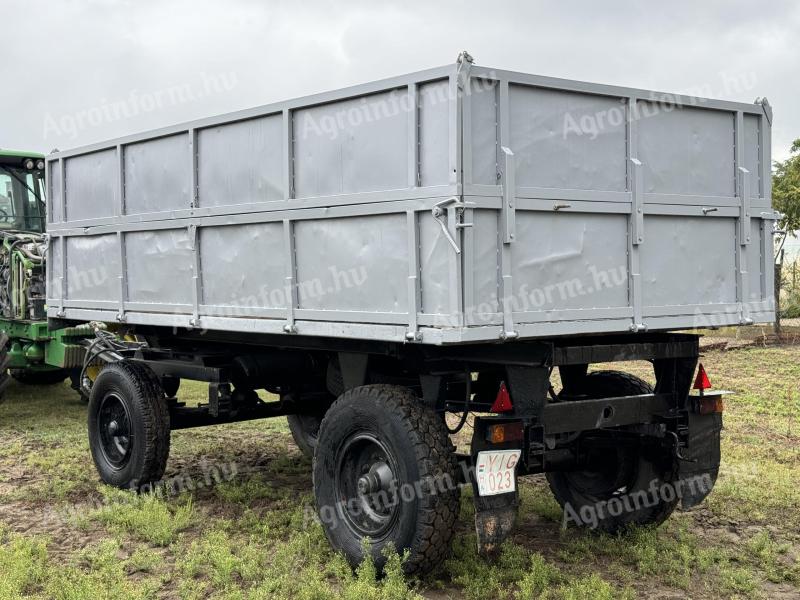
x: 129, y: 431
x: 385, y: 434
x: 170, y: 385
x: 29, y: 377
x: 305, y: 431
x: 334, y: 380
x: 625, y: 472
x: 5, y: 376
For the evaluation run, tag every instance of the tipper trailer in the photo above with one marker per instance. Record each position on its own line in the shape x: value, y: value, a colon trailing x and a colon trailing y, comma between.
x: 380, y: 256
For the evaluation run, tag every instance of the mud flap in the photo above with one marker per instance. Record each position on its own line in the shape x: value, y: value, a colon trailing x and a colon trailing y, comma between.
x: 495, y: 513
x: 698, y: 471
x: 495, y: 517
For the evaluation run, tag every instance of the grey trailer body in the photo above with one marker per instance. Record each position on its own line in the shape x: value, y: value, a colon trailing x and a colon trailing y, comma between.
x: 455, y: 205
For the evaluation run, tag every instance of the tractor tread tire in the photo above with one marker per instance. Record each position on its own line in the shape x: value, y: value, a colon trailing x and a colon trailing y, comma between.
x: 28, y: 377
x: 146, y: 398
x: 305, y: 430
x: 606, y: 384
x: 434, y: 455
x: 5, y: 376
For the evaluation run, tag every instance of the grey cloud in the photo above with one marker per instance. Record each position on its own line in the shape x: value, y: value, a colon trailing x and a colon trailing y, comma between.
x: 65, y: 59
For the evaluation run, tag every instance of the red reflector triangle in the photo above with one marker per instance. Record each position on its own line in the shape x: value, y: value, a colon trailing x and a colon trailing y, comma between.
x: 502, y: 403
x: 701, y: 382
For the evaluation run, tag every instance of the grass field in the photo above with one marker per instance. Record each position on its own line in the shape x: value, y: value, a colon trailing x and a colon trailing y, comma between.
x: 244, y: 527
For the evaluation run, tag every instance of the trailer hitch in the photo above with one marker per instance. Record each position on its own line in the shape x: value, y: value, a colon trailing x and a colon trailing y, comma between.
x: 676, y: 448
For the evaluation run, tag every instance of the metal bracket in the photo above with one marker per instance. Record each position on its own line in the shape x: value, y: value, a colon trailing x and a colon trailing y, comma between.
x: 289, y: 277
x: 439, y: 212
x: 197, y: 292
x: 744, y: 206
x: 637, y: 202
x: 767, y: 108
x: 123, y: 260
x: 743, y: 288
x: 508, y: 216
x: 464, y: 62
x: 414, y: 336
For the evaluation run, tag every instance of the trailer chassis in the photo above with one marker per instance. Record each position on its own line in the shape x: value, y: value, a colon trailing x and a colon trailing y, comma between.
x: 559, y: 434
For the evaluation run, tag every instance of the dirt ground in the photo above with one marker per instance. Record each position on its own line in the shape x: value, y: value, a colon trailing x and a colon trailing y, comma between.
x: 243, y: 525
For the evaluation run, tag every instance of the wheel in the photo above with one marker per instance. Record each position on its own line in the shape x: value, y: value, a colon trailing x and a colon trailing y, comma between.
x: 623, y: 479
x: 129, y: 432
x: 305, y: 430
x: 385, y: 469
x: 170, y: 385
x: 5, y: 376
x: 30, y: 377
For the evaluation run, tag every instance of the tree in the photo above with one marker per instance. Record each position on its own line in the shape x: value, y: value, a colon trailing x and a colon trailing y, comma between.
x: 786, y: 199
x: 786, y: 189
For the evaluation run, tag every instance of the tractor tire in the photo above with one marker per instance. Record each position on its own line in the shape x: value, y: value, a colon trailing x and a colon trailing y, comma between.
x: 5, y: 376
x: 626, y: 476
x: 305, y: 431
x: 129, y: 428
x: 29, y: 377
x: 385, y: 469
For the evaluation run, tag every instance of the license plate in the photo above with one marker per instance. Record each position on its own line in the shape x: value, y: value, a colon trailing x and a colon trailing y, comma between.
x: 496, y: 472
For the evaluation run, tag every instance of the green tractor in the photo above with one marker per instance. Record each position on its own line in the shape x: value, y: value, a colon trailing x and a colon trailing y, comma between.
x: 29, y: 352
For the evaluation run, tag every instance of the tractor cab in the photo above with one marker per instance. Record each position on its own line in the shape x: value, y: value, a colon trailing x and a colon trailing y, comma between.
x: 30, y: 352
x: 22, y: 240
x: 22, y: 192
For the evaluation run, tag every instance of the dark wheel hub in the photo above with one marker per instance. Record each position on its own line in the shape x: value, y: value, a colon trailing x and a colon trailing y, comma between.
x: 113, y: 423
x: 611, y: 474
x: 366, y: 486
x: 378, y: 478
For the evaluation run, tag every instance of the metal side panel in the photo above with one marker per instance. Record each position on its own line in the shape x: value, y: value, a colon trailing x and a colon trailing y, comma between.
x: 55, y: 196
x: 243, y: 266
x: 434, y: 138
x: 757, y: 260
x: 482, y: 132
x: 566, y: 261
x: 91, y: 185
x: 241, y: 163
x: 555, y: 148
x: 159, y: 268
x: 157, y: 175
x: 87, y: 277
x: 484, y: 303
x: 686, y: 150
x: 434, y: 261
x: 353, y: 264
x: 55, y: 272
x: 752, y: 155
x: 354, y: 145
x: 688, y: 261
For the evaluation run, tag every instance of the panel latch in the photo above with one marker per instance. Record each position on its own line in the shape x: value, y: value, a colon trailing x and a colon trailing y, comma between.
x: 441, y: 213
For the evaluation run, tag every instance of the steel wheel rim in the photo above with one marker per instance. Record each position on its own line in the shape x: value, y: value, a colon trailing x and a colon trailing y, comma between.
x: 114, y: 427
x: 366, y: 486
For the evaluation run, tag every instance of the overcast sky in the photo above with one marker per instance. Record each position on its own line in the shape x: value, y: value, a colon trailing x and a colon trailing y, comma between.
x: 79, y: 71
